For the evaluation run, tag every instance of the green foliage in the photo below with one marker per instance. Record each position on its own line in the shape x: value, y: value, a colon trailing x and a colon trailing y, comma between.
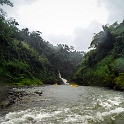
x: 2, y: 12
x: 37, y: 81
x: 104, y: 65
x: 119, y: 82
x: 17, y: 70
x: 6, y: 33
x: 25, y: 56
x: 52, y: 80
x: 119, y: 65
x: 28, y: 82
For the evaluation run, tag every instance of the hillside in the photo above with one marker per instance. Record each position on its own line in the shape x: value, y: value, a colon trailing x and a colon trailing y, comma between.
x: 27, y: 59
x: 103, y: 65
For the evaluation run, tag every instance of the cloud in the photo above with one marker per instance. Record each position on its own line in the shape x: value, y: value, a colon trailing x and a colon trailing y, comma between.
x: 67, y: 22
x: 115, y: 9
x: 80, y: 39
x: 22, y: 2
x: 58, y: 39
x: 12, y: 11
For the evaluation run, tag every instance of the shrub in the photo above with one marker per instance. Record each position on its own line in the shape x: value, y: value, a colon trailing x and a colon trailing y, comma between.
x: 119, y: 82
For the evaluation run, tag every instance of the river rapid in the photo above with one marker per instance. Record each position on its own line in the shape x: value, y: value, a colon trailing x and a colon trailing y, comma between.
x: 63, y: 104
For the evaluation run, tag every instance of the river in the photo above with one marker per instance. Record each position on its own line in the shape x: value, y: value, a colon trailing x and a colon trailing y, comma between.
x: 63, y: 104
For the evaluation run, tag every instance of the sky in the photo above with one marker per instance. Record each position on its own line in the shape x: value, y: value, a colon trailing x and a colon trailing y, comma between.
x: 71, y: 22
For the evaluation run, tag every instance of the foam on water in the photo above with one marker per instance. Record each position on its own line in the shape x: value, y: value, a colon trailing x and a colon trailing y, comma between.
x: 60, y: 115
x: 89, y: 110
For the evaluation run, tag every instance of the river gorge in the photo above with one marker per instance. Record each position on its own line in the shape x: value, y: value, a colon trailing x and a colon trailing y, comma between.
x: 63, y: 104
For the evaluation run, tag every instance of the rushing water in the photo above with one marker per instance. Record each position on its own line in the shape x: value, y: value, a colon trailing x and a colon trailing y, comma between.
x: 63, y: 79
x: 64, y: 104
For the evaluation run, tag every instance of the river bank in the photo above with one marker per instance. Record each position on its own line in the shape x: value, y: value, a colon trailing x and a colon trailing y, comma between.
x: 3, y: 90
x: 11, y: 97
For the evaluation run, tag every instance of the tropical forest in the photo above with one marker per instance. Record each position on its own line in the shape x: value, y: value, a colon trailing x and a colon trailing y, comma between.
x: 27, y: 59
x: 103, y: 65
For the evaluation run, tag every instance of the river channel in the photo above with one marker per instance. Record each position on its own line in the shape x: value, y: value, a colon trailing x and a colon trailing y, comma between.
x: 63, y: 104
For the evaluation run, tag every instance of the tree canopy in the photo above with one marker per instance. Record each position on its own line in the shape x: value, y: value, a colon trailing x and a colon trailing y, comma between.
x: 7, y: 2
x: 26, y: 57
x: 103, y: 65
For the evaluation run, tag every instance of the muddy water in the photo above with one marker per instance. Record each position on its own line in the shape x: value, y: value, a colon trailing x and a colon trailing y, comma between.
x: 64, y: 104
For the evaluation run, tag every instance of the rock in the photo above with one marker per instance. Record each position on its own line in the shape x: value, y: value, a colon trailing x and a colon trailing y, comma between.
x: 29, y: 93
x: 3, y: 92
x: 24, y: 101
x: 38, y: 92
x: 10, y: 93
x: 5, y: 103
x: 11, y: 96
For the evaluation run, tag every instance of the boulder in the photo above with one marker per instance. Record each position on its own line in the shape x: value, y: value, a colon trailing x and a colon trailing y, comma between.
x: 38, y: 92
x: 5, y: 103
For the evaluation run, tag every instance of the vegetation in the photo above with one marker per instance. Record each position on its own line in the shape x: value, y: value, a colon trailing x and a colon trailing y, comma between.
x: 104, y: 64
x: 27, y: 59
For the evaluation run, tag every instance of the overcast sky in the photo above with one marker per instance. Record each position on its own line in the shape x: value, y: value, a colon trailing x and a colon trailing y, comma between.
x: 71, y: 22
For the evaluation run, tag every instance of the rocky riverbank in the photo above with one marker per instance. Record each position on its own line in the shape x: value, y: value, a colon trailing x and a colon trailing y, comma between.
x: 11, y: 96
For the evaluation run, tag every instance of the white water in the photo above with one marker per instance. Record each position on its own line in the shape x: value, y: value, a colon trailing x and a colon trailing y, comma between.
x: 64, y: 80
x: 71, y: 105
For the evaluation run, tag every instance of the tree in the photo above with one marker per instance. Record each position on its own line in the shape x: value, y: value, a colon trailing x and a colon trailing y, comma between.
x: 2, y: 12
x: 7, y: 2
x: 103, y: 65
x: 104, y: 40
